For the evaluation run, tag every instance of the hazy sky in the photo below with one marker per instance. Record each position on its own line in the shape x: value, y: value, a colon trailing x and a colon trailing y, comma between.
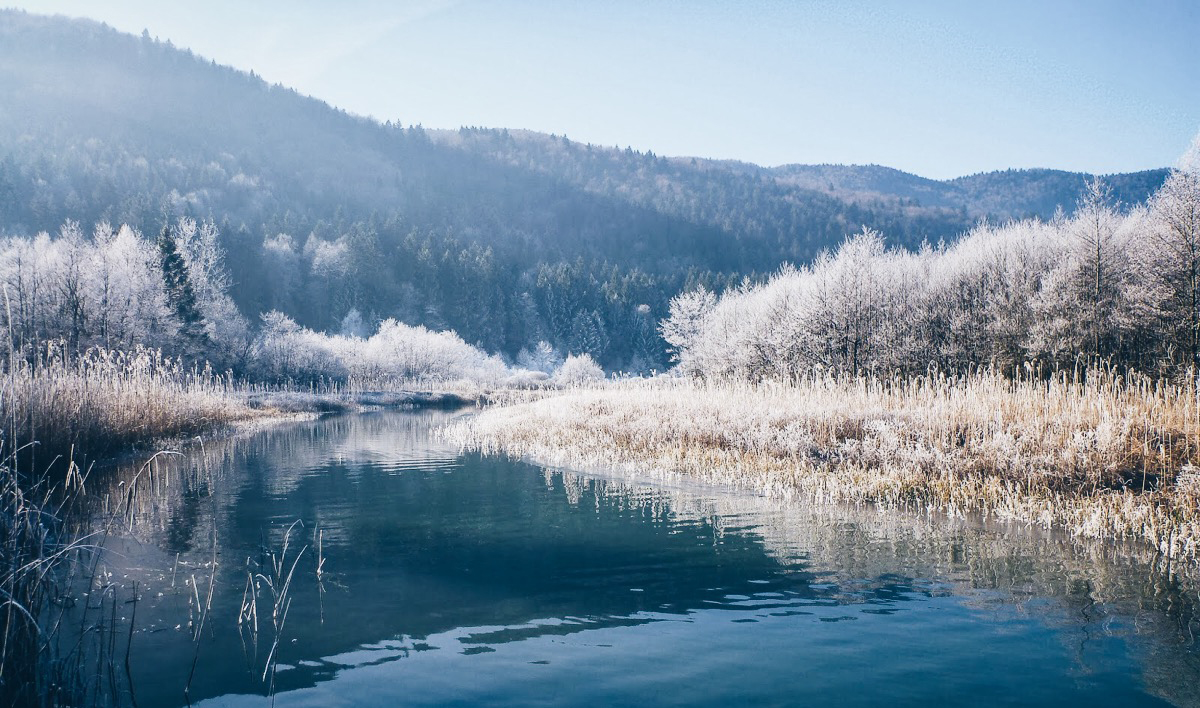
x: 940, y: 88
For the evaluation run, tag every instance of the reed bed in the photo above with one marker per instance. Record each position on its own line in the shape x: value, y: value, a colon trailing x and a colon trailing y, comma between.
x: 1097, y: 453
x: 102, y: 402
x: 29, y: 550
x: 57, y: 410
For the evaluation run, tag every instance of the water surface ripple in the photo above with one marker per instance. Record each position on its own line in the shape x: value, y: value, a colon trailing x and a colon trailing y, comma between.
x: 456, y: 580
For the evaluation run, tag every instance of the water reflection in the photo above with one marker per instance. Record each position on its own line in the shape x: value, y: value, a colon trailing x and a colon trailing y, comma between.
x: 454, y: 579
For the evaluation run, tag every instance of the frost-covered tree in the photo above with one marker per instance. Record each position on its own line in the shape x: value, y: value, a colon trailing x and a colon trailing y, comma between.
x: 1176, y: 210
x: 274, y: 349
x: 543, y: 357
x: 578, y: 370
x: 199, y: 245
x: 686, y: 322
x: 1100, y: 258
x: 131, y: 304
x: 353, y: 324
x: 849, y: 299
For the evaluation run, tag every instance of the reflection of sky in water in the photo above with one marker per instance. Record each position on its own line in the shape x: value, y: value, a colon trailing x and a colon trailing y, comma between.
x: 468, y: 580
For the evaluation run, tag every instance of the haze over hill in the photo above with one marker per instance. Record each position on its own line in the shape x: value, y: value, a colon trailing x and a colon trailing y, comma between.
x: 508, y: 237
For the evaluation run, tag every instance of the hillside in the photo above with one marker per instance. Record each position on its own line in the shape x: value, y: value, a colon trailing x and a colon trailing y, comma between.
x: 999, y: 196
x: 905, y: 206
x: 506, y: 236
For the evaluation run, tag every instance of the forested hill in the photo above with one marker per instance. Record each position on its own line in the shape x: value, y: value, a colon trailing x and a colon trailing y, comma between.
x: 998, y: 196
x: 772, y: 202
x: 506, y: 236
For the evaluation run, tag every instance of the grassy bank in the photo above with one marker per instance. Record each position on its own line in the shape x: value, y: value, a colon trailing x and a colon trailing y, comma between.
x: 1098, y: 454
x: 103, y: 402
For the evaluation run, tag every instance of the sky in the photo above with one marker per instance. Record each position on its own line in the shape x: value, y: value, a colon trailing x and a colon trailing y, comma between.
x: 941, y: 88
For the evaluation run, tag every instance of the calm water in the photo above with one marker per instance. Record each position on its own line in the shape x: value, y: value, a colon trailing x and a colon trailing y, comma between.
x: 456, y: 580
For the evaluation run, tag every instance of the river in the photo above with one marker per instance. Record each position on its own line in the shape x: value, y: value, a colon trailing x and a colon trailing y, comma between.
x: 454, y: 579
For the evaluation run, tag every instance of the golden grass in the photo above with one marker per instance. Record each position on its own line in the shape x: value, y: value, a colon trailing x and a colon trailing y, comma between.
x: 103, y: 402
x: 1097, y: 454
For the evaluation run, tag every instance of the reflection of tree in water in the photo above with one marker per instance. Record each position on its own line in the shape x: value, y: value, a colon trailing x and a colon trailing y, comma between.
x: 414, y: 552
x: 181, y: 527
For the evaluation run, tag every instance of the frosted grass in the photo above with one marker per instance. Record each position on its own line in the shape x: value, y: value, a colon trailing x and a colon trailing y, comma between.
x: 1097, y: 454
x: 103, y: 400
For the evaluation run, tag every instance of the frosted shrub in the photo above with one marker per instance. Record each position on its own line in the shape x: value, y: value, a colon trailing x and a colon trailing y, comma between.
x: 400, y: 351
x: 578, y: 370
x: 395, y: 353
x: 544, y: 358
x: 523, y: 378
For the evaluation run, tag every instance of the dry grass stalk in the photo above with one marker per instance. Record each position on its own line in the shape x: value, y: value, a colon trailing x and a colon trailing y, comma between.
x: 103, y: 401
x: 53, y: 409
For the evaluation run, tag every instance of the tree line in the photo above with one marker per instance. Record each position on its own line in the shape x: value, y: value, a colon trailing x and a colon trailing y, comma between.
x: 1103, y: 285
x: 118, y: 290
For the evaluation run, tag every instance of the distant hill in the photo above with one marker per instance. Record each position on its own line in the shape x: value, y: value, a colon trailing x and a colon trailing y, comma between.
x: 508, y: 236
x: 1008, y: 194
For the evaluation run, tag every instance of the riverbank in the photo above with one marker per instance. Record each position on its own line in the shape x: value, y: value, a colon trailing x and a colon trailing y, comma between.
x: 103, y: 403
x: 106, y: 403
x: 59, y: 417
x: 312, y: 402
x: 1099, y: 455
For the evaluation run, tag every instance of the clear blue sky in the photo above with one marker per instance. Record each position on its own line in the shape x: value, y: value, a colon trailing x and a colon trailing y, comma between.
x: 939, y: 87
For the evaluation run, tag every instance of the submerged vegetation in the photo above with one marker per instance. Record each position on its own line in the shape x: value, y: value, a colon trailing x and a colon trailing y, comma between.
x: 1097, y: 453
x: 35, y: 559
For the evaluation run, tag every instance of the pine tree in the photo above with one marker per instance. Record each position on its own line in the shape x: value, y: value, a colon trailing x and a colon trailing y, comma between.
x: 180, y: 296
x: 588, y: 335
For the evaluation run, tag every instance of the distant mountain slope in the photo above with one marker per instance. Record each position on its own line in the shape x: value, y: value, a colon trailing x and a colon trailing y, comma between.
x: 508, y: 236
x: 1008, y: 194
x: 98, y: 124
x: 703, y: 188
x: 1020, y: 193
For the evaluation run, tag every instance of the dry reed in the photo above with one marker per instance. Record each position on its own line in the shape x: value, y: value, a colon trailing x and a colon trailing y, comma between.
x: 55, y: 410
x: 103, y: 401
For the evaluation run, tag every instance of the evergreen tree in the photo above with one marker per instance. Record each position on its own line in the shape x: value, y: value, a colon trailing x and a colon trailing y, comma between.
x: 588, y: 335
x: 180, y: 296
